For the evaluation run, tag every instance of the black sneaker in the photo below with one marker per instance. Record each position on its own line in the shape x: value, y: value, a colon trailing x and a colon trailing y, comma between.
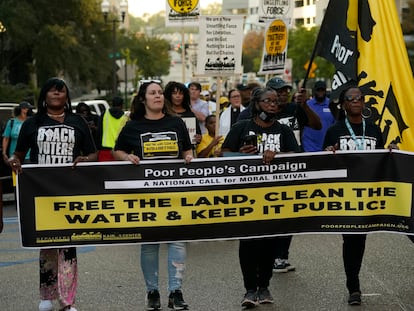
x: 354, y: 299
x: 288, y: 266
x: 264, y: 296
x: 250, y: 299
x: 279, y: 266
x: 176, y: 301
x: 152, y: 300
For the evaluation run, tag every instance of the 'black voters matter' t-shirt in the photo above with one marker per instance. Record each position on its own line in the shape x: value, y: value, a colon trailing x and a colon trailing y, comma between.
x: 52, y: 142
x: 165, y: 138
x: 277, y: 138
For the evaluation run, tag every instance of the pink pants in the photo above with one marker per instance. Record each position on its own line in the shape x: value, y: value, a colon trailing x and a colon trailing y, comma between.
x: 58, y: 275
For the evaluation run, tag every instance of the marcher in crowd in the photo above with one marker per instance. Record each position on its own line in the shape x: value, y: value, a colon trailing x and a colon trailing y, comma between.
x: 198, y: 106
x: 92, y: 119
x: 271, y: 137
x: 12, y: 130
x: 206, y: 96
x: 312, y: 140
x: 229, y: 116
x: 246, y: 91
x: 296, y: 115
x: 149, y: 119
x: 224, y: 103
x: 110, y: 124
x: 58, y: 266
x: 177, y: 98
x: 210, y: 145
x: 353, y: 133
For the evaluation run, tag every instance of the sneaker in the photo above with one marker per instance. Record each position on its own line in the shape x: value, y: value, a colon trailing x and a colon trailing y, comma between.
x: 354, y: 299
x: 264, y: 296
x: 45, y: 305
x: 176, y: 301
x: 152, y: 300
x: 279, y: 266
x: 288, y: 266
x: 68, y: 308
x: 250, y: 299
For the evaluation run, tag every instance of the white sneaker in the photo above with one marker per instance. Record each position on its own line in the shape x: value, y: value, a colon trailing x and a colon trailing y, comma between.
x: 45, y: 305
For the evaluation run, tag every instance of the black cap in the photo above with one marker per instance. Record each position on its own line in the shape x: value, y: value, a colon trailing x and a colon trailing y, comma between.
x: 242, y: 87
x: 26, y: 105
x: 277, y: 83
x: 320, y: 85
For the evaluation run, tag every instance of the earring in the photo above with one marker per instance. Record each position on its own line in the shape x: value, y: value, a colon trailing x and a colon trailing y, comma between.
x: 366, y: 115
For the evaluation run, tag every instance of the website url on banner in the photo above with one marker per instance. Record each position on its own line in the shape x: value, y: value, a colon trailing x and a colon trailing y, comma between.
x: 227, y: 180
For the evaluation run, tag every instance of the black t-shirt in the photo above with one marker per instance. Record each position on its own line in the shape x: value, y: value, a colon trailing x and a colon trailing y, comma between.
x: 339, y: 134
x: 52, y: 142
x: 165, y: 138
x: 278, y: 137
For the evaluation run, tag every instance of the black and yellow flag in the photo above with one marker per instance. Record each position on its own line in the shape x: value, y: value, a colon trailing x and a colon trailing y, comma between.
x: 364, y: 41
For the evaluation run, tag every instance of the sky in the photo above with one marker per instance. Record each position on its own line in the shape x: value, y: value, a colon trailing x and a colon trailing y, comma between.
x: 140, y: 7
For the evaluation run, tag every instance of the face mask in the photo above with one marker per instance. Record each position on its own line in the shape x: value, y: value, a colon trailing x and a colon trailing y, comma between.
x: 266, y: 117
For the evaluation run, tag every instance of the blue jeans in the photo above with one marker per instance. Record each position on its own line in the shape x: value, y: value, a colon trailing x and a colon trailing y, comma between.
x: 176, y: 265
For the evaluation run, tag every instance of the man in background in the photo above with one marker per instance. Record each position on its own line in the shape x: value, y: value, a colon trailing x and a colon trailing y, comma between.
x: 110, y: 124
x: 312, y: 139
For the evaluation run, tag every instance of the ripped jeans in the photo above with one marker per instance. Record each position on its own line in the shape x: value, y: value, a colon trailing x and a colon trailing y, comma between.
x: 176, y: 265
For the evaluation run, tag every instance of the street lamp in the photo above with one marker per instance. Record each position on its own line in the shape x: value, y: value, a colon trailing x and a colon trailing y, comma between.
x: 123, y: 8
x: 2, y: 31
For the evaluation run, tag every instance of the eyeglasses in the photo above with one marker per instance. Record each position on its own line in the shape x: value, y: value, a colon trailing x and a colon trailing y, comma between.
x: 351, y: 98
x: 268, y: 101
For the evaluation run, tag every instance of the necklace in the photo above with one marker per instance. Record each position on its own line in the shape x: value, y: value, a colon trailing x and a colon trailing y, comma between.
x: 56, y: 115
x: 359, y: 142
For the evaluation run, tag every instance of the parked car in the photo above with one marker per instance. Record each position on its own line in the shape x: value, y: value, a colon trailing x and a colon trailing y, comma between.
x: 98, y: 106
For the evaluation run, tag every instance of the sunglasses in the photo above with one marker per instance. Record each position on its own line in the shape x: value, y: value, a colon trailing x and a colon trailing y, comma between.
x: 351, y: 98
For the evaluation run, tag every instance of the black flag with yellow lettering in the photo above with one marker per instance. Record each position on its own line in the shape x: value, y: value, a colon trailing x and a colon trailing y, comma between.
x: 364, y: 41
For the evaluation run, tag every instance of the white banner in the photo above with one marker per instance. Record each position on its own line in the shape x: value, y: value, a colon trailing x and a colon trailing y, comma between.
x: 220, y: 47
x: 182, y: 13
x: 275, y: 48
x: 276, y: 9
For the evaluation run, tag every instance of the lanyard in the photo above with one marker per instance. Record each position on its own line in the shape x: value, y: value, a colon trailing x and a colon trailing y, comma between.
x: 359, y: 143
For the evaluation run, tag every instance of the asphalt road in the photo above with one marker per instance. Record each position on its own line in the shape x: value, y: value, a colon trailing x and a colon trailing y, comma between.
x: 110, y: 278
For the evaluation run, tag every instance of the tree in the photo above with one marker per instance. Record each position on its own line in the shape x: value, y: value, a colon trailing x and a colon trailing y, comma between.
x: 49, y: 38
x: 300, y: 47
x: 252, y: 51
x: 150, y: 54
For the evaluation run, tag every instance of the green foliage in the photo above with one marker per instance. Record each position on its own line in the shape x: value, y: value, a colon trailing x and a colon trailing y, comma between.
x: 16, y: 93
x: 252, y: 51
x: 71, y: 39
x: 300, y: 47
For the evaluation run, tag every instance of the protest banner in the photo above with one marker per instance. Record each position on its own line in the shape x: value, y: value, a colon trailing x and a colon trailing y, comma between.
x: 182, y: 13
x: 220, y: 48
x: 220, y: 198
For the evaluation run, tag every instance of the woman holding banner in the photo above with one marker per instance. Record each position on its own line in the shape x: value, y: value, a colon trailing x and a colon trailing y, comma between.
x: 150, y: 120
x: 353, y: 132
x: 55, y: 124
x: 264, y: 135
